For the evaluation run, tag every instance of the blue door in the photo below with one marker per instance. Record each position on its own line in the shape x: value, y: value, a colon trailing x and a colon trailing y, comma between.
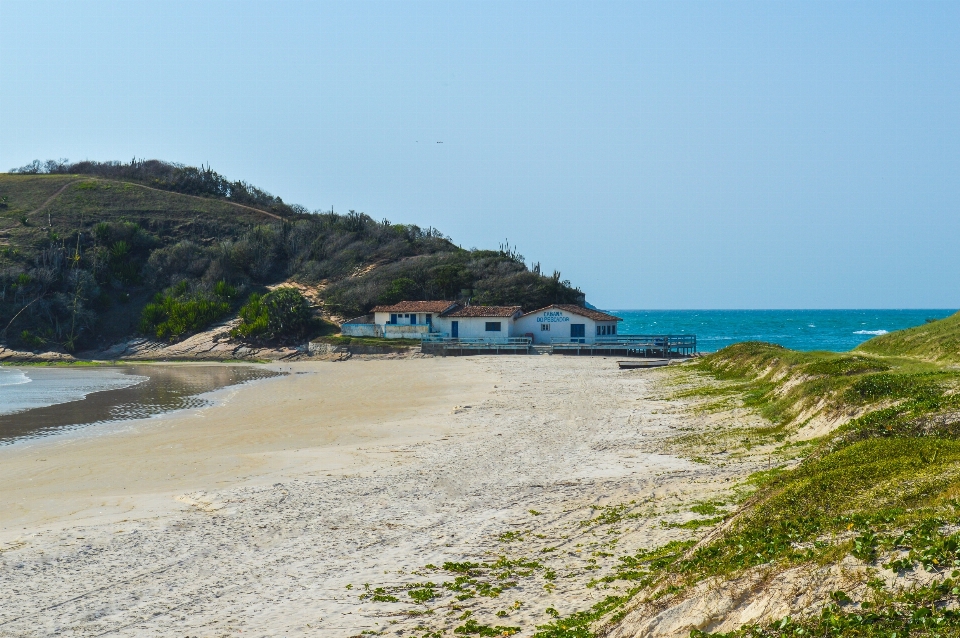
x: 455, y: 329
x: 577, y: 332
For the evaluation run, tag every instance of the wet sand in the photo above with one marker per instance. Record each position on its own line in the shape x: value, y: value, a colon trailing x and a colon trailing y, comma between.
x: 152, y: 390
x: 254, y: 516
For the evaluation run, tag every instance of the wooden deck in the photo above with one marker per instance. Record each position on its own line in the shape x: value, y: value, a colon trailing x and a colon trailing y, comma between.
x: 644, y: 346
x: 448, y: 346
x: 648, y: 346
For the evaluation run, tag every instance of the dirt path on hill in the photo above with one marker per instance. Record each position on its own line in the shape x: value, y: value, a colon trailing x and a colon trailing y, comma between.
x: 206, y: 199
x: 54, y: 196
x: 150, y: 188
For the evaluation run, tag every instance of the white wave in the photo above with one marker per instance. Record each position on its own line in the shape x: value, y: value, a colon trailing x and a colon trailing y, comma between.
x: 50, y: 386
x: 13, y: 377
x: 871, y: 332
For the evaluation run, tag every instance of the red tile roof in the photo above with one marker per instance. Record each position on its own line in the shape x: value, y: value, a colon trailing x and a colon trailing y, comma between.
x: 484, y: 311
x: 418, y: 306
x: 596, y: 315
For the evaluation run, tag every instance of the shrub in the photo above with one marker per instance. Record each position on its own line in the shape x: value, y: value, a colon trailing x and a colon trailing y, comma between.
x: 176, y: 312
x: 278, y: 314
x: 400, y: 289
x: 31, y: 339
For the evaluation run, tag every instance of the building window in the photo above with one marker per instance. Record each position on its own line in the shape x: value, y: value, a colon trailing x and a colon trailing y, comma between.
x: 544, y: 327
x: 493, y: 326
x: 613, y: 329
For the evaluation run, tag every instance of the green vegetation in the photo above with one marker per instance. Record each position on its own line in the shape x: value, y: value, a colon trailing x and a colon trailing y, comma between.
x: 882, y: 487
x: 423, y: 594
x: 896, y: 458
x: 278, y: 314
x: 178, y: 310
x: 473, y: 628
x: 578, y: 624
x: 783, y: 384
x: 85, y: 247
x: 933, y: 341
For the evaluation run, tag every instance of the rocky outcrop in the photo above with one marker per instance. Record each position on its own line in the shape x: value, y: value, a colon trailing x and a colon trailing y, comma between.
x: 214, y: 344
x: 8, y: 355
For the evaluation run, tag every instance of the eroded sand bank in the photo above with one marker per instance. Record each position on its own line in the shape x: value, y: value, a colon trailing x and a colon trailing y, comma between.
x: 267, y: 514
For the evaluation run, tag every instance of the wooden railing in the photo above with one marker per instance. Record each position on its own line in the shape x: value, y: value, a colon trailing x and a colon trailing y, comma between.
x: 478, y: 341
x: 656, y: 341
x: 682, y: 344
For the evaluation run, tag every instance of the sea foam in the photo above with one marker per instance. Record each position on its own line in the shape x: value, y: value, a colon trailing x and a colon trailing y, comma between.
x: 870, y: 332
x: 13, y: 377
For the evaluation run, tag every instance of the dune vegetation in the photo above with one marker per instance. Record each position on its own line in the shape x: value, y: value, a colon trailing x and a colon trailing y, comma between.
x: 878, y: 488
x: 865, y: 478
x: 933, y: 341
x: 92, y: 253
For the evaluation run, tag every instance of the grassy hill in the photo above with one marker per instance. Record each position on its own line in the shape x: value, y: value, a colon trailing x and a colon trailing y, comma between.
x: 85, y: 248
x: 934, y: 341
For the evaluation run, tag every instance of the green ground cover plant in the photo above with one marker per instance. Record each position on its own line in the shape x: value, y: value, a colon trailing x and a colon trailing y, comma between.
x: 473, y: 628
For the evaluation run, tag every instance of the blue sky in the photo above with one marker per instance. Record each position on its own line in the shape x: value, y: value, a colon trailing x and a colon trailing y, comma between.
x: 660, y: 155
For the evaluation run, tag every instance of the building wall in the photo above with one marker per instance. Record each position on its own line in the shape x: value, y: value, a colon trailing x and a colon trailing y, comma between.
x: 402, y: 318
x: 559, y: 322
x: 475, y: 327
x: 403, y: 328
x: 361, y: 330
x: 405, y: 331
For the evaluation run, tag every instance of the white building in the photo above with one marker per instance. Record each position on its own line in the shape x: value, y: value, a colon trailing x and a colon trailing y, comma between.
x: 559, y: 323
x: 566, y: 323
x: 480, y: 322
x: 410, y: 319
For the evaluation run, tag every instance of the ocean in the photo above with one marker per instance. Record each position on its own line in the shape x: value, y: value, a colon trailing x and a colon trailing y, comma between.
x: 837, y: 330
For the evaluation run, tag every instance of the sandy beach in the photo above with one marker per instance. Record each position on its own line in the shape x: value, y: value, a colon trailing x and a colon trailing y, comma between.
x: 318, y: 502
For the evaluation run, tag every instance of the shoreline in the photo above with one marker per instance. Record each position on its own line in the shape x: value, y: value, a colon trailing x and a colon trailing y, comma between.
x: 128, y: 394
x: 394, y: 466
